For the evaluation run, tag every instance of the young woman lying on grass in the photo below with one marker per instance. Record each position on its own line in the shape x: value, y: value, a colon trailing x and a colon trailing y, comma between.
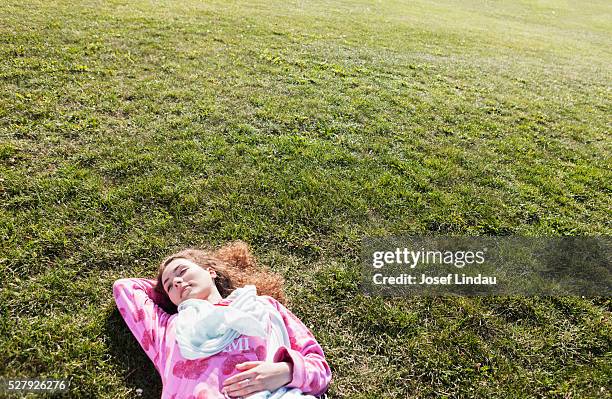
x: 209, y: 339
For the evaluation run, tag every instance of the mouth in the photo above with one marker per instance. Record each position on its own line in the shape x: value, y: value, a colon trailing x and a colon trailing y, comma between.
x: 185, y: 290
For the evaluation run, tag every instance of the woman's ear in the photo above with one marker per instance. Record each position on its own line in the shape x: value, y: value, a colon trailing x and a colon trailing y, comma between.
x: 212, y: 272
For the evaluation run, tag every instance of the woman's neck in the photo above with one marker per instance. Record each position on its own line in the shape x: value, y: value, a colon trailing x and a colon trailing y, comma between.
x: 214, y: 297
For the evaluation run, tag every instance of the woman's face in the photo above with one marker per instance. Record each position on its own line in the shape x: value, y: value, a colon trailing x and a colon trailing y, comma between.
x: 183, y: 279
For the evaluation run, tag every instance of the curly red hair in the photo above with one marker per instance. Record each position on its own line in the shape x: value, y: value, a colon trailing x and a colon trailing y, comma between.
x: 235, y: 267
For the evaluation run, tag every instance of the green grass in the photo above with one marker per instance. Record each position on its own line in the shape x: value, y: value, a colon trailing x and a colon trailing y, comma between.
x: 130, y: 129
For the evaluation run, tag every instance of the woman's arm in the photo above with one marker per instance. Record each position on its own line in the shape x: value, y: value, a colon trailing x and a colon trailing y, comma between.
x: 311, y: 373
x: 145, y: 319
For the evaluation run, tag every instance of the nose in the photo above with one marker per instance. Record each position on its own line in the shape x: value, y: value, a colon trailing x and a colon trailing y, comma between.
x: 178, y: 281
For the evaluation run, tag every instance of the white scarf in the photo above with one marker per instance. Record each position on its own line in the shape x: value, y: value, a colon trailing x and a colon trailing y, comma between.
x: 203, y: 329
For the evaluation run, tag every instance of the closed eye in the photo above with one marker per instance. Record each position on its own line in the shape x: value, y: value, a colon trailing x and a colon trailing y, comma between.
x: 180, y: 274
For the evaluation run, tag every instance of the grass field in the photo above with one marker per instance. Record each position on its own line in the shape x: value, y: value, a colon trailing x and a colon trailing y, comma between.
x: 130, y: 129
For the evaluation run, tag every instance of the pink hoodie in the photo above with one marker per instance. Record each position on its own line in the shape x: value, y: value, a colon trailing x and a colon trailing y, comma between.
x: 203, y: 378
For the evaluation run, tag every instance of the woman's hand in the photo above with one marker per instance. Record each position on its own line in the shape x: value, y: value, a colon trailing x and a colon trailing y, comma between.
x: 258, y: 376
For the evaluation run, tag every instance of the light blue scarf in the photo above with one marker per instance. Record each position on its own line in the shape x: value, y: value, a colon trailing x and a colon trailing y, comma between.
x: 203, y: 330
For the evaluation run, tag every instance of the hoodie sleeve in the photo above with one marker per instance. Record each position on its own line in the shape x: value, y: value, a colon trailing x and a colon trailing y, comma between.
x: 145, y: 319
x: 311, y: 373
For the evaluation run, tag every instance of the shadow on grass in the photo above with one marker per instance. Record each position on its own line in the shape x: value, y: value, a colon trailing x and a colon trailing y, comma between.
x: 137, y: 369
